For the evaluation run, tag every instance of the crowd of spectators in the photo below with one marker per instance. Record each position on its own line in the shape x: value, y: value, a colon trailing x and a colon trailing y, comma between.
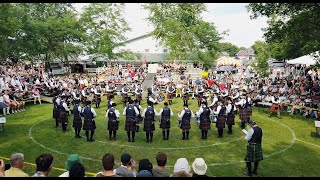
x: 74, y: 167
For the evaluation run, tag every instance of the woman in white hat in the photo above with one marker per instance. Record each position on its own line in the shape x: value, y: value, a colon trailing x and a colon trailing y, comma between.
x: 199, y: 167
x: 181, y: 168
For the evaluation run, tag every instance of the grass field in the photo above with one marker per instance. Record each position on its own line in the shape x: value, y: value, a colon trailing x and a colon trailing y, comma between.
x: 289, y: 144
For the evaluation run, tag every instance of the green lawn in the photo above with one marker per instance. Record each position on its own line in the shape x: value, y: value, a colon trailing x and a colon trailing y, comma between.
x: 289, y: 144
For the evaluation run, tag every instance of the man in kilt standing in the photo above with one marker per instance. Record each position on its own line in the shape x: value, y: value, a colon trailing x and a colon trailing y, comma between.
x: 139, y: 119
x: 165, y: 113
x: 185, y: 115
x: 148, y: 115
x: 110, y: 101
x: 199, y: 92
x: 125, y: 94
x: 170, y: 90
x: 138, y: 92
x: 77, y: 121
x: 130, y: 112
x: 97, y: 96
x: 243, y: 113
x: 254, y: 149
x: 89, y: 124
x: 185, y: 95
x: 231, y: 108
x: 112, y: 114
x: 205, y: 123
x: 221, y: 120
x: 64, y: 112
x: 56, y: 110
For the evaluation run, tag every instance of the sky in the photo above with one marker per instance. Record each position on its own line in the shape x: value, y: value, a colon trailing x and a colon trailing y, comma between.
x: 234, y: 17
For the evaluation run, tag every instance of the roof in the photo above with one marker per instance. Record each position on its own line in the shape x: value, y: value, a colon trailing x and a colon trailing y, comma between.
x: 242, y: 53
x: 137, y: 38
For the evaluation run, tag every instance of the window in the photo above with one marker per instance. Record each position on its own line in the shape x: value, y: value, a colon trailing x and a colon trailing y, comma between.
x: 165, y: 50
x: 146, y: 50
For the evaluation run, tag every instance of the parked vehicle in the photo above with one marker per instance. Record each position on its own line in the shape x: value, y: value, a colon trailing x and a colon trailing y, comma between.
x: 230, y: 69
x: 275, y: 63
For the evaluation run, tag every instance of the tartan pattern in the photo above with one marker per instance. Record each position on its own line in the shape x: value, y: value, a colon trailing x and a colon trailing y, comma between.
x: 113, y: 125
x: 63, y: 116
x: 77, y: 122
x: 55, y: 113
x: 165, y: 123
x: 130, y: 124
x: 254, y: 153
x: 230, y: 119
x: 185, y: 97
x: 221, y: 122
x: 125, y: 97
x: 185, y: 125
x: 200, y: 96
x: 89, y: 125
x: 148, y: 125
x: 249, y: 110
x: 243, y: 114
x: 170, y: 96
x: 97, y: 99
x: 139, y: 119
x: 139, y: 97
x: 205, y: 124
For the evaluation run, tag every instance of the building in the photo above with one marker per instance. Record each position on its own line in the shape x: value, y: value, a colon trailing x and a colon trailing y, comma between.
x: 242, y: 54
x: 223, y: 54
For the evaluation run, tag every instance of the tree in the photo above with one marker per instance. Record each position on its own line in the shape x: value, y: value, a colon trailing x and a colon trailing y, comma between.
x: 229, y: 48
x: 180, y: 27
x: 105, y: 26
x: 262, y: 51
x: 293, y: 27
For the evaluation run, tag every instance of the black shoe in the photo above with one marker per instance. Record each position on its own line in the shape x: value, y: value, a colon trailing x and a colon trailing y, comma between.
x: 167, y: 138
x: 133, y: 140
x: 254, y: 172
x: 79, y: 136
x: 91, y: 140
x: 76, y: 136
x: 88, y: 140
x: 110, y: 138
x: 147, y: 141
x: 129, y: 140
x: 151, y: 140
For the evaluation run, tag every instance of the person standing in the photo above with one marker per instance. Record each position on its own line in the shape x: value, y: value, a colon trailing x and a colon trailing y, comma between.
x: 151, y: 99
x: 243, y: 114
x: 56, y: 110
x: 138, y: 92
x: 170, y: 90
x: 185, y: 96
x: 64, y: 112
x: 97, y: 96
x: 221, y: 120
x: 199, y: 92
x: 89, y: 124
x: 185, y: 115
x: 231, y: 108
x: 130, y: 112
x: 77, y: 121
x: 165, y: 113
x: 110, y: 101
x: 139, y: 119
x: 112, y: 114
x: 254, y: 149
x: 125, y: 94
x: 205, y: 123
x: 148, y: 115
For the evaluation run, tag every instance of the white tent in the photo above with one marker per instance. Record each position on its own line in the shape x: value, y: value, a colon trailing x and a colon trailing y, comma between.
x: 306, y: 59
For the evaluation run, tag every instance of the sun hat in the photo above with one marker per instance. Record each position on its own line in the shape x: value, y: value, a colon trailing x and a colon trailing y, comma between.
x: 181, y: 164
x: 72, y: 159
x: 199, y: 166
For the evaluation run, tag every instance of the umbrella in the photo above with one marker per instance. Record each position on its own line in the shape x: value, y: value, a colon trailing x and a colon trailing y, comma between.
x: 228, y: 61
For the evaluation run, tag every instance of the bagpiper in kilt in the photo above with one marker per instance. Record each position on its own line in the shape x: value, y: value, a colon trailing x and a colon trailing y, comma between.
x: 125, y: 95
x: 184, y: 124
x: 110, y: 101
x: 97, y: 96
x: 205, y: 123
x: 138, y: 92
x: 89, y: 124
x: 222, y: 117
x: 139, y: 119
x: 249, y: 105
x: 170, y: 90
x: 185, y: 95
x: 63, y: 115
x: 230, y: 115
x: 254, y: 149
x: 77, y: 121
x: 110, y: 90
x: 113, y: 123
x: 199, y: 92
x: 243, y: 113
x: 165, y: 113
x: 55, y: 112
x: 148, y: 122
x: 130, y: 112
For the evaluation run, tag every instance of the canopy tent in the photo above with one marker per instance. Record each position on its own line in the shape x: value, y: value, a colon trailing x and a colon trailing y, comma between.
x: 306, y: 59
x: 228, y: 61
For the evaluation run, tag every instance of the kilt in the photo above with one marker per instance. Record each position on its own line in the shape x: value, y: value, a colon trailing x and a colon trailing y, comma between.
x: 97, y: 99
x: 200, y: 96
x: 185, y: 125
x: 139, y: 97
x: 55, y: 113
x: 139, y: 119
x: 230, y: 119
x: 109, y: 94
x: 170, y: 96
x: 185, y: 97
x: 165, y: 123
x: 221, y: 122
x: 275, y: 108
x: 63, y: 116
x: 113, y: 125
x: 205, y: 124
x: 148, y: 126
x: 244, y: 114
x: 130, y: 124
x: 249, y: 110
x: 77, y: 122
x: 89, y: 125
x: 254, y: 153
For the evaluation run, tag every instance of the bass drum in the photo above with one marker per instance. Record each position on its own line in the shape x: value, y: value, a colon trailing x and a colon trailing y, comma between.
x: 161, y: 97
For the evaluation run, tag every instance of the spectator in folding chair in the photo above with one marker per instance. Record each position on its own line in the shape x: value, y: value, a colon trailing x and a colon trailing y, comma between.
x: 36, y: 94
